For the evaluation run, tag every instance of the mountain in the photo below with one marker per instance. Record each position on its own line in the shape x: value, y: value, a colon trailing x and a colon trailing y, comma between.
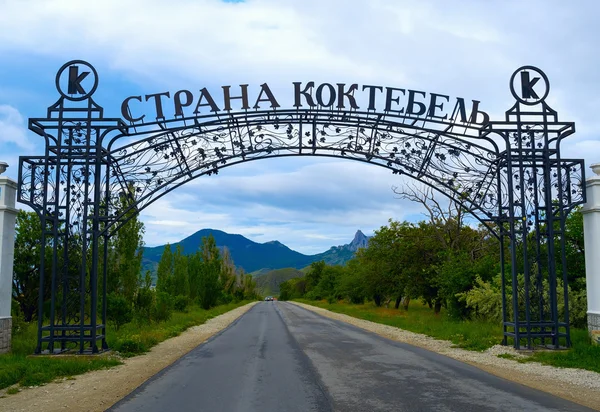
x: 339, y: 255
x: 359, y: 241
x: 246, y: 254
x: 268, y: 284
x: 257, y: 258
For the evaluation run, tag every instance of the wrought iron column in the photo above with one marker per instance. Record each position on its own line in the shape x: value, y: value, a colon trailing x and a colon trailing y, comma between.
x: 67, y: 188
x: 537, y: 191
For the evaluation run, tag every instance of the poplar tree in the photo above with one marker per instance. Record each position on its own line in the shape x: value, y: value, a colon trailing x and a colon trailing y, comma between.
x: 164, y: 272
x: 125, y: 259
x: 181, y: 285
x: 228, y: 274
x: 209, y: 284
x: 194, y: 269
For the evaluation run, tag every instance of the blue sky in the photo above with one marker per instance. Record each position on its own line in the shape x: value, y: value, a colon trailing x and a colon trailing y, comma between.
x: 467, y: 49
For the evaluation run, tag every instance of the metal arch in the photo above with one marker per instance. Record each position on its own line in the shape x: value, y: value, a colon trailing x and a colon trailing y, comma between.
x: 522, y: 192
x: 461, y: 169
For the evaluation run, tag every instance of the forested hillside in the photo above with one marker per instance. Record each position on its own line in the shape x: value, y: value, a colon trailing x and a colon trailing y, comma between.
x: 268, y: 284
x: 254, y: 257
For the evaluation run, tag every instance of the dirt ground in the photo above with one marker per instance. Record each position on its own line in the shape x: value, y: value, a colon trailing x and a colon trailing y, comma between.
x: 104, y: 388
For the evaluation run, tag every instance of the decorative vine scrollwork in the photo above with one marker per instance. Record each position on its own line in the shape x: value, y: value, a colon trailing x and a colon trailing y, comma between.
x: 461, y: 167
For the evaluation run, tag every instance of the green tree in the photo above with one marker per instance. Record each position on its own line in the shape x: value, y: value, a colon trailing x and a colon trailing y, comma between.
x: 209, y: 286
x: 163, y: 307
x: 292, y: 289
x: 575, y: 250
x: 119, y: 310
x: 330, y: 278
x: 125, y: 258
x: 381, y: 263
x: 350, y: 284
x: 26, y: 277
x: 144, y: 299
x: 228, y: 274
x: 285, y: 290
x: 164, y: 271
x: 194, y: 274
x: 181, y: 284
x: 313, y: 276
x: 249, y: 286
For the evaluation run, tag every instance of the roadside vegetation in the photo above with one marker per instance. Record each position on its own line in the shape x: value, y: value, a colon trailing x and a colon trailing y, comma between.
x: 468, y: 334
x: 20, y: 367
x: 441, y: 277
x: 189, y: 290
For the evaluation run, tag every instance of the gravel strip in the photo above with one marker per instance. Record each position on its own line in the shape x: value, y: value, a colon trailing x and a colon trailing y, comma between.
x: 576, y: 385
x: 99, y: 390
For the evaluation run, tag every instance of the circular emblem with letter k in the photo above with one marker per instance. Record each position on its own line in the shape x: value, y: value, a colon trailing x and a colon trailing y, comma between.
x: 76, y: 80
x: 526, y: 87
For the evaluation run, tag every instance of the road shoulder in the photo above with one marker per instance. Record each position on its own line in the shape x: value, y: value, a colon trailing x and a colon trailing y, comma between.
x: 99, y: 390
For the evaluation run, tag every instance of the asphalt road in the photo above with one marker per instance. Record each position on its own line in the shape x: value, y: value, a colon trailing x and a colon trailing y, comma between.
x: 279, y: 357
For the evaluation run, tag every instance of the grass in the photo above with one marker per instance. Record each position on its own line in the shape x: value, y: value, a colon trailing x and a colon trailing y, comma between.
x: 18, y: 367
x: 581, y: 355
x: 507, y: 356
x: 133, y: 339
x: 470, y: 335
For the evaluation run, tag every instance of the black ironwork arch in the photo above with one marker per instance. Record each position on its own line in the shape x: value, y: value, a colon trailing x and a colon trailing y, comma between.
x: 463, y: 170
x: 508, y: 174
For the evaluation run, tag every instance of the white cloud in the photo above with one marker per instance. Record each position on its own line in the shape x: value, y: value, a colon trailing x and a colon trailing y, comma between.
x: 310, y: 208
x: 467, y: 49
x: 12, y: 128
x: 13, y: 139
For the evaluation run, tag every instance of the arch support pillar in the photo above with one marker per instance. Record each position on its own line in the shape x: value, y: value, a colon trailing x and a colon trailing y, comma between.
x: 591, y: 232
x: 8, y: 216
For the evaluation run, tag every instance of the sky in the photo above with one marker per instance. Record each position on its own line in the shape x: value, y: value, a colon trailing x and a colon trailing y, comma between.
x: 462, y: 49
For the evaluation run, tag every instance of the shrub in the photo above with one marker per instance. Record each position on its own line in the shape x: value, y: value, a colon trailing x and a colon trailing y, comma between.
x: 18, y: 320
x: 118, y: 310
x: 351, y: 287
x: 144, y: 303
x: 130, y: 345
x: 163, y: 307
x: 578, y: 308
x: 180, y: 303
x: 486, y: 300
x: 314, y: 294
x: 225, y: 298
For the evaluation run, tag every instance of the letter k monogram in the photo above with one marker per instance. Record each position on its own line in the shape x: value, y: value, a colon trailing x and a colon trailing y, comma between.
x: 75, y: 80
x: 527, y: 86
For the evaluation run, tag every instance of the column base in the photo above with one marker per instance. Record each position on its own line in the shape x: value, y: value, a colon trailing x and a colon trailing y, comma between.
x: 594, y: 326
x: 5, y: 334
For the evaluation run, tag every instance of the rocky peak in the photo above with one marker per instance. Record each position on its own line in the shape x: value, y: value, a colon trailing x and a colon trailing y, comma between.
x: 359, y: 241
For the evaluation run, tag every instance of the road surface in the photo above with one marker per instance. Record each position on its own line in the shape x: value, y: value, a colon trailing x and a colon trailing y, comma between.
x: 280, y: 357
